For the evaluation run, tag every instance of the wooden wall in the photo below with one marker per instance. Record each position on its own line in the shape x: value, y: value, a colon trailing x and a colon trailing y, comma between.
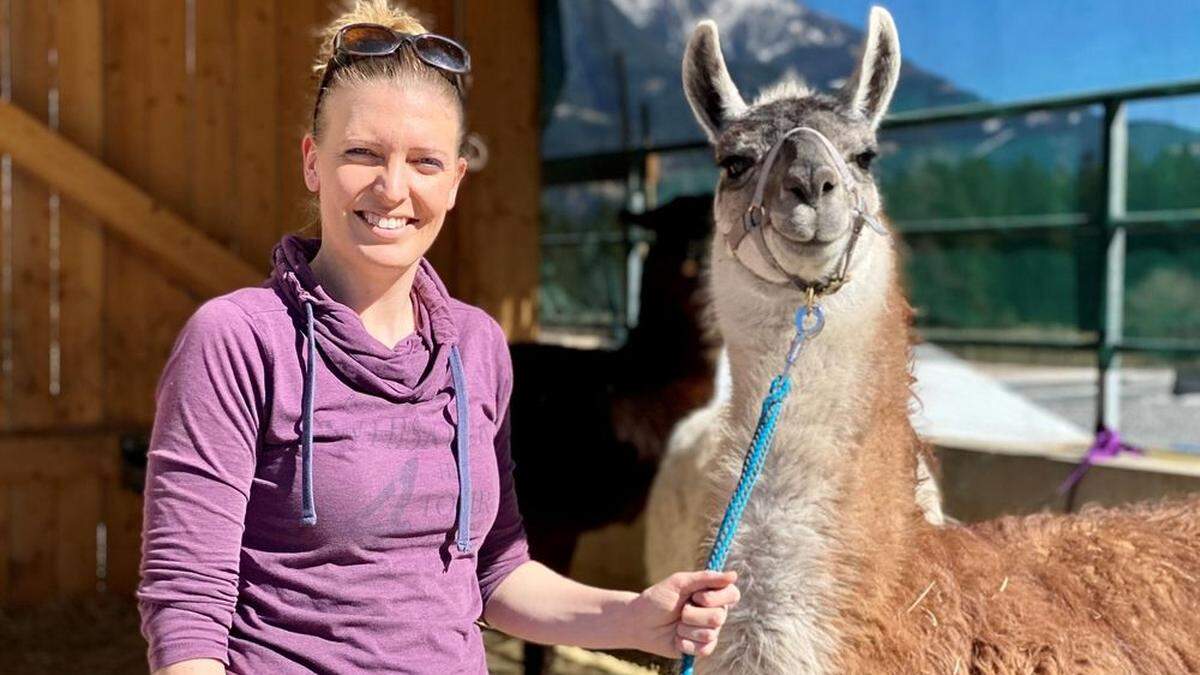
x: 201, y: 104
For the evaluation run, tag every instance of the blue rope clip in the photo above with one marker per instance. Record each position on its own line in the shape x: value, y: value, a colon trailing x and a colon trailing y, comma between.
x: 810, y: 319
x: 804, y: 333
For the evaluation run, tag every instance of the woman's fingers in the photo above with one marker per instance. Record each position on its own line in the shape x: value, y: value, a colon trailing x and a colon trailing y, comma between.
x: 723, y: 597
x: 703, y: 617
x: 686, y: 646
x: 696, y: 634
x: 709, y: 594
x: 691, y: 582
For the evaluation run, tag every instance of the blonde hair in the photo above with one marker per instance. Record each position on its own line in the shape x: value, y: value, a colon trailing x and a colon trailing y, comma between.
x: 403, y: 67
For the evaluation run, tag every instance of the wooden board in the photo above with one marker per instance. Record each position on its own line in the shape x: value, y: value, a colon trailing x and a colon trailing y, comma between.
x: 499, y: 208
x: 5, y: 542
x: 33, y: 534
x: 145, y: 129
x: 123, y: 521
x: 7, y: 386
x: 214, y: 181
x: 79, y: 512
x: 79, y: 36
x: 164, y: 239
x: 297, y: 42
x: 50, y: 505
x: 31, y: 38
x: 257, y: 122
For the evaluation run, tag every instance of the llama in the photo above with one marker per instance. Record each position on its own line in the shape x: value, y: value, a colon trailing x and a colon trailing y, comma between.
x: 840, y: 572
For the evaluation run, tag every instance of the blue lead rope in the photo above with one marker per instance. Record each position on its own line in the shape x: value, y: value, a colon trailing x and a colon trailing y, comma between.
x: 759, y: 447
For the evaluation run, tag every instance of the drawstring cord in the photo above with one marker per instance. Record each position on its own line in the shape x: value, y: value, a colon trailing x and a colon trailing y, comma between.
x: 308, y: 510
x: 464, y: 449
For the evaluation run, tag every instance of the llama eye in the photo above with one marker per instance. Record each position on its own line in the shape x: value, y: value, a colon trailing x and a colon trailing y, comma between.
x: 863, y: 159
x: 736, y: 165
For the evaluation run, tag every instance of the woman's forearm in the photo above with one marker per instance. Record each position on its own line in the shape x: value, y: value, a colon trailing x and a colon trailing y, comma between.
x: 193, y: 667
x: 537, y: 604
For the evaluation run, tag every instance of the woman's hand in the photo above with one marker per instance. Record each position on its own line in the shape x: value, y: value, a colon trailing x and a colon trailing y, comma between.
x: 683, y: 614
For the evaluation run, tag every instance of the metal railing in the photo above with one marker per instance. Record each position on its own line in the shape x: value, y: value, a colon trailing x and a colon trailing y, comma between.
x: 1107, y: 218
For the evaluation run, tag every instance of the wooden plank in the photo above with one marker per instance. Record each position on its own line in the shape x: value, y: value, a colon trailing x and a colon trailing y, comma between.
x: 7, y: 390
x: 5, y: 542
x: 297, y: 44
x: 79, y: 36
x: 146, y: 130
x: 184, y: 253
x: 79, y: 512
x: 125, y: 120
x: 123, y: 522
x: 214, y: 182
x: 51, y: 489
x: 146, y: 82
x: 52, y: 458
x: 124, y: 90
x: 437, y: 16
x: 498, y: 208
x: 168, y: 102
x: 257, y: 122
x: 31, y: 40
x: 34, y: 529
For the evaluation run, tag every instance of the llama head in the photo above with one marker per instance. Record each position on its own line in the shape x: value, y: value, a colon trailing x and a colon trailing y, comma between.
x: 808, y: 198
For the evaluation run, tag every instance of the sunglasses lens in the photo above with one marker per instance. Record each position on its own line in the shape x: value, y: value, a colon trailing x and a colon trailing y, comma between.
x: 369, y: 40
x: 442, y: 53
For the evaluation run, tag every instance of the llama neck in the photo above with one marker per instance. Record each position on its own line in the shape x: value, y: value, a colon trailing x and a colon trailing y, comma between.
x: 841, y: 459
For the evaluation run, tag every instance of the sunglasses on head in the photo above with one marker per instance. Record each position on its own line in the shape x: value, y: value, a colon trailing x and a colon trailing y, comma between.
x: 372, y: 39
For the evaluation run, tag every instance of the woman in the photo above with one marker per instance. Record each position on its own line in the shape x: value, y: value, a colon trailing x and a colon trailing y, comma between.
x: 330, y: 485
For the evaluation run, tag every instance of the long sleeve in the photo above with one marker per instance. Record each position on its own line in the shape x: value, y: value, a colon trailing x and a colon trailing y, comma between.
x: 201, y: 464
x: 505, y: 548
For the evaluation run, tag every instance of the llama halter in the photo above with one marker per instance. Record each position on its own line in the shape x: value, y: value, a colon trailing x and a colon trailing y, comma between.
x: 757, y: 218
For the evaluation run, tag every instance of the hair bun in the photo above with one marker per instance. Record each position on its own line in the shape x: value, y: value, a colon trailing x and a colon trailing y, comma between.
x: 383, y: 12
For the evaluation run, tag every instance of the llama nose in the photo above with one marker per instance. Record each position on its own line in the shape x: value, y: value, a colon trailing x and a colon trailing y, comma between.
x: 810, y: 183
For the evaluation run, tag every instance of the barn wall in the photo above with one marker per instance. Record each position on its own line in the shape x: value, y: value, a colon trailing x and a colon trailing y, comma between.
x: 200, y: 105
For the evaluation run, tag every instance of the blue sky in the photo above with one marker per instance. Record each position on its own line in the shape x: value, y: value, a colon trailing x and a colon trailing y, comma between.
x: 1008, y: 50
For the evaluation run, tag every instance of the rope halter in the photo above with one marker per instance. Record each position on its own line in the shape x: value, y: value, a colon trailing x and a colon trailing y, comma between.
x: 757, y: 218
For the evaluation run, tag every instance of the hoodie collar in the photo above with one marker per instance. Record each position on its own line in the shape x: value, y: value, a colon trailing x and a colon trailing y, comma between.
x: 414, y: 370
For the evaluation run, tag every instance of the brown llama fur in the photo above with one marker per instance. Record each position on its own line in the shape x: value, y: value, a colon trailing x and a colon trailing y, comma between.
x: 1103, y: 591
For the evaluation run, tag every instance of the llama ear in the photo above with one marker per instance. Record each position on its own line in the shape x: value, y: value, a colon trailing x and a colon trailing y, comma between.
x: 870, y: 90
x: 710, y: 91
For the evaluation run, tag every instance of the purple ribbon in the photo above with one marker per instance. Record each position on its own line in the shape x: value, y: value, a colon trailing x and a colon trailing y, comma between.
x: 1107, y: 445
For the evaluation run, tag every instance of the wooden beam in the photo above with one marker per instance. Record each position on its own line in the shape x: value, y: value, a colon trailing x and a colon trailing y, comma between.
x: 58, y: 456
x: 195, y: 260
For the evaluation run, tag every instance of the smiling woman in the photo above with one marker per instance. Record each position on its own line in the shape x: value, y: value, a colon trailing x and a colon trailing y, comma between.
x: 330, y: 484
x: 387, y: 170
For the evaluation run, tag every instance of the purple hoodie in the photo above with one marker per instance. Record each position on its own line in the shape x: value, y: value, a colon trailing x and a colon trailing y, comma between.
x: 304, y: 510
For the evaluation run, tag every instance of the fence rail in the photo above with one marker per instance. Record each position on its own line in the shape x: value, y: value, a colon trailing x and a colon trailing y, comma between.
x: 1107, y: 218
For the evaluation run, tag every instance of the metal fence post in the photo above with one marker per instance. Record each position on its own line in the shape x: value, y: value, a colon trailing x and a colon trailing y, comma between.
x: 1115, y: 153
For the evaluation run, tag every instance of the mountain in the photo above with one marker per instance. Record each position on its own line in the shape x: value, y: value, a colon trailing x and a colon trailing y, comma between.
x: 763, y: 40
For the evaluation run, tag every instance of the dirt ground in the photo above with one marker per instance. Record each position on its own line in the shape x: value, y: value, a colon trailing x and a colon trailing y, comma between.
x: 100, y: 637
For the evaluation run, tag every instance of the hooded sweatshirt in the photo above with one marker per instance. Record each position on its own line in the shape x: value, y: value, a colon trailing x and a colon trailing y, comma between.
x: 317, y: 501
